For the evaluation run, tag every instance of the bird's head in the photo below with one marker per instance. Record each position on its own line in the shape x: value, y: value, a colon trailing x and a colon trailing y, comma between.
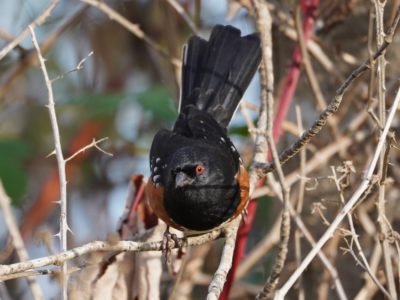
x: 197, y: 167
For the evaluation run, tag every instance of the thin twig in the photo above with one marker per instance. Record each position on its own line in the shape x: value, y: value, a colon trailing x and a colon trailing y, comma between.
x: 260, y: 156
x: 252, y: 258
x: 333, y: 106
x: 181, y: 11
x: 305, y: 59
x: 280, y: 294
x: 300, y: 200
x: 264, y: 25
x: 37, y: 22
x: 24, y: 62
x: 94, y: 144
x: 308, y: 236
x: 258, y: 252
x: 270, y: 286
x: 383, y: 226
x: 370, y: 288
x: 104, y: 246
x: 44, y: 272
x: 133, y: 28
x: 17, y: 240
x: 219, y: 278
x: 285, y: 24
x: 78, y: 67
x: 364, y: 261
x: 60, y: 161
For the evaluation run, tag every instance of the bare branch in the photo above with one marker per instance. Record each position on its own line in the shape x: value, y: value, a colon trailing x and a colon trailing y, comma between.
x: 364, y: 262
x: 17, y: 240
x: 264, y: 25
x: 333, y: 106
x: 60, y: 160
x: 384, y: 227
x: 94, y: 144
x: 179, y: 9
x: 78, y: 67
x: 37, y: 22
x: 104, y: 246
x: 347, y: 208
x: 217, y: 283
x: 133, y: 28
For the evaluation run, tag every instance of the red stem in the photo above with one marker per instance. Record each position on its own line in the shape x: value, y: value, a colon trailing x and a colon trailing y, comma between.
x: 309, y: 8
x: 292, y: 78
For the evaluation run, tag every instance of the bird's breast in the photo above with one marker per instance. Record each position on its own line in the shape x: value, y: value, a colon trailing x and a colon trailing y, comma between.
x: 202, y: 207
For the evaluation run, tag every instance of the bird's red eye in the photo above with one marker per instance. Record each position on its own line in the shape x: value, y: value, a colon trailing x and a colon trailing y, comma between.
x: 199, y: 169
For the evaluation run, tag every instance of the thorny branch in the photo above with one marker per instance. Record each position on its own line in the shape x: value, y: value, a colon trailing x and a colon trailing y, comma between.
x: 37, y: 22
x: 60, y: 162
x: 264, y: 25
x: 384, y: 227
x: 354, y: 236
x: 333, y: 106
x: 280, y: 294
x: 104, y: 246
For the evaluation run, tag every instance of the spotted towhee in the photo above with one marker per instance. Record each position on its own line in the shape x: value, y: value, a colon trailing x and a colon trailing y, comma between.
x: 197, y: 180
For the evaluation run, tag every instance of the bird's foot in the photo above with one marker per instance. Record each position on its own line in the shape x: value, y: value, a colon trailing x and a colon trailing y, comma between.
x: 168, y: 243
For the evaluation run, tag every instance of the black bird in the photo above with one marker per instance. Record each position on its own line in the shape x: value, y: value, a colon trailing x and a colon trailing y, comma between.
x: 197, y: 180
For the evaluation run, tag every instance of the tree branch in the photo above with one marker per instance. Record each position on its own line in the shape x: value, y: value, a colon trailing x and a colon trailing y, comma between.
x: 332, y: 107
x: 347, y: 208
x: 37, y: 22
x: 60, y: 161
x: 104, y: 246
x: 17, y: 240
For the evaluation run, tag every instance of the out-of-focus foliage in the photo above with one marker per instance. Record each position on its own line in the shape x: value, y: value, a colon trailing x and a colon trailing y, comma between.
x: 13, y: 154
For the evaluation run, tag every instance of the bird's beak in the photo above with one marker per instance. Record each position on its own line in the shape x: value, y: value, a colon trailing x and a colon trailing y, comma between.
x: 182, y: 179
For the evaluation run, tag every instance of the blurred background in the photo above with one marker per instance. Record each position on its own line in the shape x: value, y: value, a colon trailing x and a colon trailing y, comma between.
x: 126, y: 91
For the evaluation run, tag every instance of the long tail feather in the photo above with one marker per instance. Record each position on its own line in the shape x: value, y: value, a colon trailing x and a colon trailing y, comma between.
x: 215, y: 74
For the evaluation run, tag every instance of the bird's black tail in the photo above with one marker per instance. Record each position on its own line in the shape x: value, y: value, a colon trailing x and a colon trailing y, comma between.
x: 216, y: 73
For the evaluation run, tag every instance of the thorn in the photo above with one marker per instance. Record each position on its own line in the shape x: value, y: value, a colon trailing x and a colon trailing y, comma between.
x: 52, y: 153
x: 57, y: 202
x: 58, y: 235
x: 69, y: 228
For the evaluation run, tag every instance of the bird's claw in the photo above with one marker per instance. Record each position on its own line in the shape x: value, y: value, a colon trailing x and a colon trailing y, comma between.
x: 168, y: 243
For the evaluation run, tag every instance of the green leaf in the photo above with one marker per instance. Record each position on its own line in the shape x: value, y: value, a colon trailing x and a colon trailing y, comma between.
x: 12, y: 173
x: 100, y: 105
x: 239, y: 130
x: 158, y: 101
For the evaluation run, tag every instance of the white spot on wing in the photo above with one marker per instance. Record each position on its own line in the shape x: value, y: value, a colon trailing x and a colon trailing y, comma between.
x: 158, y: 159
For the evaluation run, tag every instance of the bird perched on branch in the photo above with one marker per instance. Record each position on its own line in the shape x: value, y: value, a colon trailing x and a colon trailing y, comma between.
x: 198, y: 182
